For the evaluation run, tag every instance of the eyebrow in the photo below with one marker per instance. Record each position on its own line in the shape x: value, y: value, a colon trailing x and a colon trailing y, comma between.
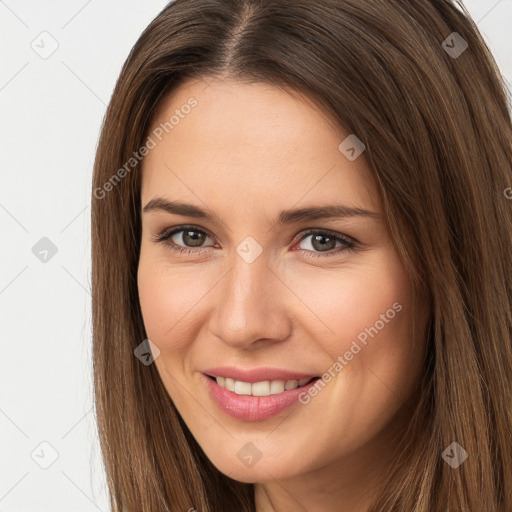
x: 285, y: 217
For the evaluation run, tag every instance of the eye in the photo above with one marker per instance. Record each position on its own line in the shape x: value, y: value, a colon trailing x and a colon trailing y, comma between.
x: 321, y: 243
x: 191, y: 237
x: 326, y: 242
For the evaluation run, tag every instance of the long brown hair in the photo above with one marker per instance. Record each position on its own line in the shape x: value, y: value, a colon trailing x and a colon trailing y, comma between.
x: 435, y: 119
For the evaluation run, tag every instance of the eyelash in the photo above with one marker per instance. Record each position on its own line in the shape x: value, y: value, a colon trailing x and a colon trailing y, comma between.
x: 350, y: 244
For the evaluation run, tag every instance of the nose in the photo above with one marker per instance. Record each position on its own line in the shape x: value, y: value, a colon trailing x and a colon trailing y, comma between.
x: 251, y: 306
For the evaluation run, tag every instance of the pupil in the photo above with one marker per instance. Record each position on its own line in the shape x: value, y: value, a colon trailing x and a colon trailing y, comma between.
x: 322, y: 244
x: 194, y: 237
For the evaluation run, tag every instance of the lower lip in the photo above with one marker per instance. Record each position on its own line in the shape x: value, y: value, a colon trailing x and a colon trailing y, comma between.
x: 253, y: 408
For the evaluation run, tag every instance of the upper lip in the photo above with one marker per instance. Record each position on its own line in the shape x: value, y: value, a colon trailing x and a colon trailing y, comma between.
x: 256, y: 374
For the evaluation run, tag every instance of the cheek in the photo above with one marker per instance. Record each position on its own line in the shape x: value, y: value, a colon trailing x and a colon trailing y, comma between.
x: 167, y: 298
x: 363, y: 315
x: 346, y: 302
x: 365, y: 335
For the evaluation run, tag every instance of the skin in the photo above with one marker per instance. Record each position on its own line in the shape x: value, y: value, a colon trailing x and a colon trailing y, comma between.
x: 247, y: 152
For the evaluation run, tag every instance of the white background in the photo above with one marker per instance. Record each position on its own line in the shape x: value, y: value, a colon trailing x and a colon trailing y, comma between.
x: 51, y: 111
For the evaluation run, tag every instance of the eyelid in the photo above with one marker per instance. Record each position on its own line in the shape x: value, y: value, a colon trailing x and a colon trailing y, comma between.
x: 349, y: 242
x: 167, y: 233
x: 323, y: 231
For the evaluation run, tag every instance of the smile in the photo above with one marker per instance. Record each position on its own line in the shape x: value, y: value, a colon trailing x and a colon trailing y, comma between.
x: 255, y: 401
x: 263, y: 388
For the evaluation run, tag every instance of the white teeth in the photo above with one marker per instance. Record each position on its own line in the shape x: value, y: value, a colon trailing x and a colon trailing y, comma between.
x: 263, y: 388
x: 229, y: 385
x: 291, y: 384
x: 242, y: 388
x: 277, y: 386
x: 260, y: 388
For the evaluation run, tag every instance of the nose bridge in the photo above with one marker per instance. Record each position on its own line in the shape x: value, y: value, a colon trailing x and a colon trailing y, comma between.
x: 249, y: 306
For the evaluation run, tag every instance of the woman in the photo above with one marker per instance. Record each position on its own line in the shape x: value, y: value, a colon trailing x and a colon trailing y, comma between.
x: 302, y: 243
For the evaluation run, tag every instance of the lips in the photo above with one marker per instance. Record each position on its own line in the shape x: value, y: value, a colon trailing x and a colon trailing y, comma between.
x: 257, y: 374
x: 250, y: 407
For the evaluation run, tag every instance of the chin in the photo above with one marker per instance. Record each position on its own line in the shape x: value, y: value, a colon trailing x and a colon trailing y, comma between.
x: 262, y: 471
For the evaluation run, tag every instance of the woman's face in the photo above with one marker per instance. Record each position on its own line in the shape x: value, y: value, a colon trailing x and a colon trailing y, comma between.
x: 243, y: 175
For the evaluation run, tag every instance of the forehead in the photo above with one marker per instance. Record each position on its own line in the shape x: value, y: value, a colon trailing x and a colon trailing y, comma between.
x: 252, y: 141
